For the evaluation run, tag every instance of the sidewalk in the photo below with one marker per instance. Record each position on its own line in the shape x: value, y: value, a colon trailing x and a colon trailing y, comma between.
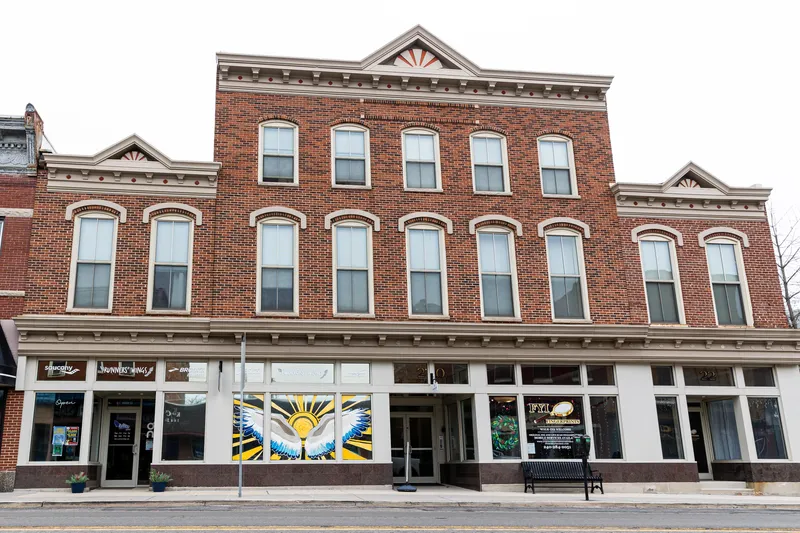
x: 426, y: 496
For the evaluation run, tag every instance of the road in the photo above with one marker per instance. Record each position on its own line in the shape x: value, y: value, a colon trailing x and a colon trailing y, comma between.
x: 406, y: 519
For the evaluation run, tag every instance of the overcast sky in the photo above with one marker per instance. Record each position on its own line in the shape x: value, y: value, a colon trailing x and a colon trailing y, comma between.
x: 717, y: 83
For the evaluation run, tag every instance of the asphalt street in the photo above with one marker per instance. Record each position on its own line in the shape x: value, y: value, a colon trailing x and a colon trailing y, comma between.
x: 406, y: 519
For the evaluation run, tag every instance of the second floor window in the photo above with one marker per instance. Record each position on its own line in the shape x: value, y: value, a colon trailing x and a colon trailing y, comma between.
x: 352, y: 264
x: 425, y: 271
x: 726, y: 283
x: 93, y: 268
x: 660, y: 281
x: 489, y: 163
x: 420, y: 149
x: 555, y: 163
x: 278, y: 153
x: 566, y: 277
x: 278, y: 267
x: 171, y: 265
x: 351, y: 156
x: 497, y: 274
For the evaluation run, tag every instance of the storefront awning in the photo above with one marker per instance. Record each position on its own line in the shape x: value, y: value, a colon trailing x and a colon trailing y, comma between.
x: 8, y: 364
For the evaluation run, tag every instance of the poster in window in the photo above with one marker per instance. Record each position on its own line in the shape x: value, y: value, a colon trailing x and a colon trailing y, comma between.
x: 357, y: 427
x: 72, y: 435
x: 552, y: 422
x: 302, y: 427
x: 59, y: 435
x: 122, y: 428
x: 249, y: 412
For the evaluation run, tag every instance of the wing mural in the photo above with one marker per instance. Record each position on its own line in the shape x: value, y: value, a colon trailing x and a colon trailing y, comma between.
x: 303, y: 427
x: 250, y: 412
x: 357, y: 427
x: 322, y: 439
x: 284, y: 441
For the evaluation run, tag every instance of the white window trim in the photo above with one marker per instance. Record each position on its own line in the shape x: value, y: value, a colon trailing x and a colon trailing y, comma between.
x: 514, y: 283
x: 442, y: 271
x: 73, y: 268
x: 278, y: 124
x: 746, y: 302
x: 573, y: 179
x: 587, y: 317
x: 370, y: 269
x: 296, y: 258
x: 676, y: 277
x: 504, y: 153
x: 2, y: 229
x: 437, y: 159
x: 367, y: 173
x: 170, y: 217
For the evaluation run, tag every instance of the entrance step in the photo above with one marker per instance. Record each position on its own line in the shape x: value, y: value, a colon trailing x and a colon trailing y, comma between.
x: 725, y: 488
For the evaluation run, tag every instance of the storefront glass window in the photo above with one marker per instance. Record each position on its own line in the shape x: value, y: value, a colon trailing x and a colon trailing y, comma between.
x: 453, y: 435
x: 249, y: 412
x: 551, y: 375
x: 253, y: 372
x: 451, y: 373
x: 504, y: 425
x: 302, y: 427
x: 411, y: 372
x: 502, y: 374
x: 669, y: 427
x: 355, y: 373
x: 758, y: 376
x: 663, y: 376
x: 724, y: 434
x: 57, y: 421
x: 765, y: 416
x: 184, y: 427
x: 551, y: 423
x: 467, y: 428
x: 187, y: 371
x: 356, y: 427
x: 314, y: 373
x: 605, y: 427
x: 708, y: 376
x: 600, y: 374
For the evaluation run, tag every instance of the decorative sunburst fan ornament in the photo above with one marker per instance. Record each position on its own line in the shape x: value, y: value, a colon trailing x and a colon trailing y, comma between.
x: 134, y: 155
x: 417, y: 58
x: 688, y: 183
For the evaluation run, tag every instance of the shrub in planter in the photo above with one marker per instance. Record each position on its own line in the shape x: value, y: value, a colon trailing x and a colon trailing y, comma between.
x: 78, y: 482
x: 159, y: 480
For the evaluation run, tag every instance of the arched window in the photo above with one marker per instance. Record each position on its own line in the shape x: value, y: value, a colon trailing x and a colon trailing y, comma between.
x: 557, y: 166
x: 489, y: 163
x: 728, y: 282
x: 94, y: 246
x: 352, y: 268
x: 661, y: 279
x: 170, y: 273
x: 498, y: 273
x: 277, y: 292
x: 278, y: 153
x: 568, y: 295
x: 350, y: 165
x: 427, y: 271
x: 421, y: 166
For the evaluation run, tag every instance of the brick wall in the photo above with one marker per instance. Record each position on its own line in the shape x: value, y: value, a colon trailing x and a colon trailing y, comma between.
x: 15, y: 192
x: 11, y: 428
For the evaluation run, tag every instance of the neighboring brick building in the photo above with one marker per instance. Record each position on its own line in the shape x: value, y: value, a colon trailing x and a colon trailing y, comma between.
x: 419, y: 251
x: 21, y: 139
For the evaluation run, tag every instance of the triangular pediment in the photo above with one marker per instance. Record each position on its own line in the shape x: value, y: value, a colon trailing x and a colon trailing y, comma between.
x: 693, y: 177
x: 418, y: 50
x: 132, y: 150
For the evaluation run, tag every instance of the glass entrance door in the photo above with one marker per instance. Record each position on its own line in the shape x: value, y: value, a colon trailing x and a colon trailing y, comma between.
x: 416, y: 430
x: 121, y: 464
x: 699, y: 443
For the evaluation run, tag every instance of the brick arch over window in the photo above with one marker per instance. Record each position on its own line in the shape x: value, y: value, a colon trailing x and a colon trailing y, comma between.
x: 173, y: 207
x: 280, y: 118
x: 554, y: 131
x: 425, y: 216
x: 287, y: 212
x: 484, y: 219
x: 352, y: 121
x: 489, y: 129
x: 421, y: 125
x: 657, y: 229
x: 564, y: 222
x: 104, y: 205
x: 704, y: 236
x: 354, y: 214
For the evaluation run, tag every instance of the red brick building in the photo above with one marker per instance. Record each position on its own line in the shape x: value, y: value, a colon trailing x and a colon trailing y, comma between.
x: 415, y: 251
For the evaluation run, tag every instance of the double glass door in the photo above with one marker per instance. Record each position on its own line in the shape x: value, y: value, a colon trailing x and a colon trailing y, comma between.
x: 415, y: 430
x: 121, y: 464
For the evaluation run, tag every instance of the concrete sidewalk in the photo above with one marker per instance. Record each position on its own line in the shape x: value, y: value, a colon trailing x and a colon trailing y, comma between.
x: 425, y: 496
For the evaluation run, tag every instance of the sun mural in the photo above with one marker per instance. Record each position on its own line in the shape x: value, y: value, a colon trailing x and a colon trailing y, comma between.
x: 302, y: 427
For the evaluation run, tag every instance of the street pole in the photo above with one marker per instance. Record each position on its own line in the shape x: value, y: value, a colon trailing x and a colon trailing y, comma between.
x: 241, y: 399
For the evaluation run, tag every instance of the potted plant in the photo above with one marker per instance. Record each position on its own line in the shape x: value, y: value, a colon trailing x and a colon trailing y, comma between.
x: 78, y: 482
x: 159, y: 480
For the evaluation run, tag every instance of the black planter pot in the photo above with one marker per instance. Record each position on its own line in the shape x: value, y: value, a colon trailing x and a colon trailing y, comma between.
x: 159, y: 486
x: 78, y: 488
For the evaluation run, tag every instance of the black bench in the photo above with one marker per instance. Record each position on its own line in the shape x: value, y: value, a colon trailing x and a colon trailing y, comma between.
x: 559, y: 472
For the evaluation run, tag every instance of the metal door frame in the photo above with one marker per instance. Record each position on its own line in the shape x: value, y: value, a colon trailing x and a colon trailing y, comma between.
x: 706, y: 434
x: 120, y: 483
x: 407, y: 438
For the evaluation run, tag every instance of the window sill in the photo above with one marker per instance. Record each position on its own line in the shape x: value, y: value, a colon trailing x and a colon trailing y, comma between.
x: 572, y: 320
x: 428, y: 317
x: 735, y: 326
x: 338, y: 186
x: 278, y: 314
x: 669, y: 324
x: 353, y: 315
x: 419, y: 189
x: 184, y: 312
x: 501, y: 319
x: 563, y: 196
x: 492, y: 193
x: 278, y: 184
x: 89, y: 310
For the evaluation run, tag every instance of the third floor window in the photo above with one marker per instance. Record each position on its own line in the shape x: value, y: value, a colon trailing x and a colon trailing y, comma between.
x: 351, y: 156
x: 278, y: 163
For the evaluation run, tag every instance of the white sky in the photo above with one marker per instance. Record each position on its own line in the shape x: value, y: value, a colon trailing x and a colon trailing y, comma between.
x: 713, y: 82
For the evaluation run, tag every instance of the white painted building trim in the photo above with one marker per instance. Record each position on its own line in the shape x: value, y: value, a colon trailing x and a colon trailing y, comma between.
x: 403, y: 220
x: 278, y: 209
x: 71, y: 208
x: 198, y: 215
x: 12, y: 294
x: 12, y: 212
x: 635, y: 232
x: 563, y: 220
x: 376, y: 221
x: 703, y: 235
x: 502, y: 218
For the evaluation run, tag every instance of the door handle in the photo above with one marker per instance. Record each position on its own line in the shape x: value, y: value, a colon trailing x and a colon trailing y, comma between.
x: 134, y: 450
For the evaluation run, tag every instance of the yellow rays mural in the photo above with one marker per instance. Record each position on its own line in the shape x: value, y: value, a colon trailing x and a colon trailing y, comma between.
x: 303, y: 427
x: 251, y: 413
x: 357, y: 427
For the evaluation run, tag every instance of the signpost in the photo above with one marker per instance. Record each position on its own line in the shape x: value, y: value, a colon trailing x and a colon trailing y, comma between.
x: 241, y: 399
x: 407, y: 487
x: 582, y: 444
